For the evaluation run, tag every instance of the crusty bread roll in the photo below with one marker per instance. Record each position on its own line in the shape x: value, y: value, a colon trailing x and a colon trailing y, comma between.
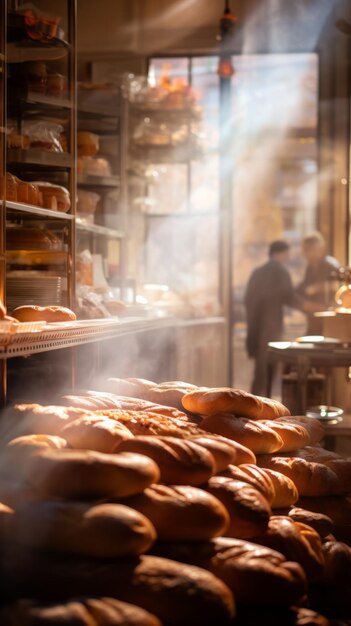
x: 294, y: 435
x: 181, y: 513
x: 28, y: 419
x: 223, y: 453
x: 296, y: 541
x: 32, y: 313
x: 285, y: 491
x: 103, y: 531
x: 169, y: 393
x: 148, y: 423
x: 37, y: 441
x: 255, y: 435
x: 337, y: 556
x: 95, y: 433
x: 82, y: 612
x: 178, y: 594
x: 254, y: 476
x: 257, y: 575
x: 248, y: 510
x: 311, y: 479
x: 315, y: 429
x: 180, y: 461
x: 322, y: 524
x: 17, y: 453
x: 232, y: 401
x: 338, y: 464
x: 86, y: 474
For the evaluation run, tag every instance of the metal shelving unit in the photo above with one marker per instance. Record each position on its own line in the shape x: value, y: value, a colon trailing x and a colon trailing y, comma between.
x: 96, y: 229
x: 37, y: 211
x: 87, y: 180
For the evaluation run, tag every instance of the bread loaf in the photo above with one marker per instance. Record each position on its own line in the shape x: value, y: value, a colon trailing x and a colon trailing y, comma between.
x: 29, y: 419
x: 257, y: 575
x: 255, y: 435
x: 285, y: 492
x: 223, y: 453
x: 82, y: 612
x: 32, y: 313
x: 37, y: 441
x: 169, y: 393
x: 248, y: 510
x: 322, y: 524
x: 104, y: 530
x: 95, y: 433
x: 181, y: 462
x: 181, y: 513
x: 148, y: 423
x: 232, y: 401
x: 296, y: 541
x: 311, y: 479
x: 129, y: 387
x: 83, y: 474
x: 243, y: 454
x: 16, y: 455
x: 315, y: 429
x: 178, y: 594
x: 294, y: 435
x: 337, y: 571
x: 254, y: 476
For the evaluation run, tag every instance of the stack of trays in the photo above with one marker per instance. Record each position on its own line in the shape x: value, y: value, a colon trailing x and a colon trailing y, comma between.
x: 41, y: 290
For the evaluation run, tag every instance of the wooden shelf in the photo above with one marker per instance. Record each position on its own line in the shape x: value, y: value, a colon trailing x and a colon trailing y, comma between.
x: 35, y: 210
x: 97, y: 229
x: 36, y: 156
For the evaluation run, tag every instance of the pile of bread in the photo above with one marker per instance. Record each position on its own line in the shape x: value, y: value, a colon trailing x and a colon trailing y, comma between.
x: 168, y: 504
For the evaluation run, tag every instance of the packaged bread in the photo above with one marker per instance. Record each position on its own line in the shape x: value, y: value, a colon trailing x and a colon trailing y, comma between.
x: 55, y: 197
x: 248, y: 510
x: 36, y: 73
x: 177, y: 593
x: 56, y: 84
x: 87, y: 143
x: 257, y: 575
x: 95, y: 433
x: 82, y: 612
x: 181, y: 513
x: 8, y: 187
x: 180, y: 461
x: 261, y: 439
x: 102, y: 531
x: 84, y: 474
x: 33, y: 313
x: 233, y: 401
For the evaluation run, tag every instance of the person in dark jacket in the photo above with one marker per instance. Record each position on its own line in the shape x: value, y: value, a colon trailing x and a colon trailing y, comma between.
x: 315, y: 287
x: 269, y: 289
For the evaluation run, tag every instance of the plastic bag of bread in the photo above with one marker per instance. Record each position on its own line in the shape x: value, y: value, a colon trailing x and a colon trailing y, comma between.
x: 54, y: 197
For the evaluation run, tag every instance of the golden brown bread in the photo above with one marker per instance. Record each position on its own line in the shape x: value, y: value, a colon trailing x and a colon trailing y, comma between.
x: 129, y: 387
x: 103, y: 531
x: 322, y: 524
x: 32, y: 313
x: 82, y: 612
x: 232, y: 401
x: 95, y: 433
x: 294, y: 435
x: 243, y: 454
x: 178, y: 594
x: 84, y: 474
x: 169, y: 393
x: 181, y: 513
x: 252, y: 475
x: 311, y: 479
x: 285, y: 491
x: 248, y: 510
x: 338, y: 464
x: 223, y: 453
x: 257, y: 575
x: 148, y: 423
x: 30, y: 419
x: 180, y: 461
x: 337, y: 508
x: 38, y: 441
x: 337, y: 570
x: 18, y: 452
x: 315, y: 429
x: 255, y: 435
x: 296, y: 541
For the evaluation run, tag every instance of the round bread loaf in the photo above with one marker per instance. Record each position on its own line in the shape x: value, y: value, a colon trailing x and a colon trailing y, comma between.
x: 223, y: 453
x: 16, y: 455
x: 181, y: 513
x: 180, y: 461
x: 248, y: 510
x: 322, y: 524
x: 257, y: 575
x: 82, y: 612
x: 337, y: 556
x: 84, y: 474
x: 255, y: 435
x: 95, y: 433
x: 178, y: 594
x: 104, y: 530
x: 296, y: 541
x: 285, y: 492
x: 148, y: 423
x: 232, y: 401
x: 254, y: 476
x: 32, y: 313
x: 294, y: 435
x: 311, y: 479
x: 315, y: 429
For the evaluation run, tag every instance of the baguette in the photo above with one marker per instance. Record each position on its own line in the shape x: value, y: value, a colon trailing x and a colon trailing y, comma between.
x: 254, y: 435
x: 233, y: 401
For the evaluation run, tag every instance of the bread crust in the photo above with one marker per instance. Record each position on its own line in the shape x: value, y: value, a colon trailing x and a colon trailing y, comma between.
x: 254, y: 476
x: 95, y: 433
x: 253, y: 434
x: 232, y: 401
x: 311, y: 479
x: 33, y: 313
